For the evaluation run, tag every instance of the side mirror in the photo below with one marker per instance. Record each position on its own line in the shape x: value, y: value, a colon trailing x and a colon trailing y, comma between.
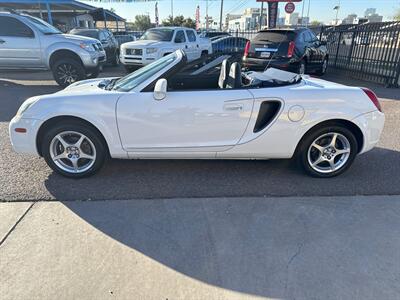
x: 160, y: 90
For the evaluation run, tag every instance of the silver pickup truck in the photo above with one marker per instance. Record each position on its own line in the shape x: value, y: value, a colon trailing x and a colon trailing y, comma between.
x: 27, y: 42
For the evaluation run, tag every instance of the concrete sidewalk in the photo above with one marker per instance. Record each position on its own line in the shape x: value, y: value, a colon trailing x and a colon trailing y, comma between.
x: 221, y: 248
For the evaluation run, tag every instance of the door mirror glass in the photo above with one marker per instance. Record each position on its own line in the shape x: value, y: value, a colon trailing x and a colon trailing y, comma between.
x: 160, y: 90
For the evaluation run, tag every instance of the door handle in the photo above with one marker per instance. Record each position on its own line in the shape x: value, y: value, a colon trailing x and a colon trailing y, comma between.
x: 2, y: 41
x: 233, y: 107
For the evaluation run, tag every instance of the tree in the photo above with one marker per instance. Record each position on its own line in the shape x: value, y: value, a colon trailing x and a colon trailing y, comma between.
x: 397, y: 15
x: 142, y: 22
x: 179, y: 21
x: 315, y: 23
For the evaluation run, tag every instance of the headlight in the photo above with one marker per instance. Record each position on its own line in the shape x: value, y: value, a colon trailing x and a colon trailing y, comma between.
x: 151, y: 50
x: 28, y: 103
x: 87, y: 47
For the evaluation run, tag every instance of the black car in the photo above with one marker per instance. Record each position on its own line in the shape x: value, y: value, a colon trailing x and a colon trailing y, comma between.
x: 229, y: 44
x: 211, y: 34
x: 295, y: 50
x: 110, y: 44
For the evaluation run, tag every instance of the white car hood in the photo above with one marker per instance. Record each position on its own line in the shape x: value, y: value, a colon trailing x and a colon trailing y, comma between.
x: 89, y: 85
x: 144, y: 44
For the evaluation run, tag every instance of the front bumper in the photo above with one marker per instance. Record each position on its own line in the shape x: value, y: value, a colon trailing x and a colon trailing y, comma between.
x: 137, y: 60
x: 93, y: 59
x: 371, y: 125
x: 24, y: 142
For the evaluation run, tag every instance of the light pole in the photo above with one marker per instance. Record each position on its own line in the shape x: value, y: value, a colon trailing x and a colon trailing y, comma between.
x: 308, y: 12
x: 172, y: 9
x: 220, y: 15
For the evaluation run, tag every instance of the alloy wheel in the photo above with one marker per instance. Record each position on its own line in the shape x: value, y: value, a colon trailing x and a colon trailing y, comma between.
x: 72, y: 152
x: 329, y: 152
x: 67, y: 73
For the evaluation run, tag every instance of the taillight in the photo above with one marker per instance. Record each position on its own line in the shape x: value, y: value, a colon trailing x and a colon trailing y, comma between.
x: 290, y: 50
x: 371, y: 95
x: 246, y: 49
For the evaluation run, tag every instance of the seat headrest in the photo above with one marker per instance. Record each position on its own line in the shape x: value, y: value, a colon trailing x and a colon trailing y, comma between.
x: 234, y: 80
x: 223, y: 75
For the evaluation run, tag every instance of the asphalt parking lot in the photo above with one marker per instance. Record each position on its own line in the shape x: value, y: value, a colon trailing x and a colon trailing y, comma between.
x: 164, y: 229
x: 28, y: 178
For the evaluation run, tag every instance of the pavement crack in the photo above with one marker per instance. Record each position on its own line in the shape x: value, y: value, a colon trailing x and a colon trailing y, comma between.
x: 16, y: 224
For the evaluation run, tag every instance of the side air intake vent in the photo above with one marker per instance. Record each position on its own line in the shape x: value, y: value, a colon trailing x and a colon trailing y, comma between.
x: 268, y: 111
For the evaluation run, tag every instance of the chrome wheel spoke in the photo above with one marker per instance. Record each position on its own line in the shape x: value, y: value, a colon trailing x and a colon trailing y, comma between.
x: 318, y: 161
x: 62, y: 141
x: 60, y: 156
x: 86, y: 156
x: 332, y: 164
x: 342, y: 151
x: 79, y: 142
x: 318, y: 147
x: 74, y: 162
x: 333, y: 141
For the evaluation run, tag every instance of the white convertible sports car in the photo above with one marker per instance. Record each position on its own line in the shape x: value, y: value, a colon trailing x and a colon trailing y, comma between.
x: 206, y: 109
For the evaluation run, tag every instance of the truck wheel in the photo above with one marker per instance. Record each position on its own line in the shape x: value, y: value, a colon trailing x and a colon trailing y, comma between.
x: 67, y: 71
x: 115, y: 60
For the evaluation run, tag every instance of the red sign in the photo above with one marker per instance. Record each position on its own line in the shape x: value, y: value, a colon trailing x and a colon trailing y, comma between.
x: 290, y: 7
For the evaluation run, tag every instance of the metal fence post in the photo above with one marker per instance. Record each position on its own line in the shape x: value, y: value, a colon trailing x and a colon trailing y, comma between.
x: 337, y: 49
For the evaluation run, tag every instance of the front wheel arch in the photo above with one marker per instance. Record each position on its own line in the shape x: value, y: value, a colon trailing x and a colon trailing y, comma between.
x: 65, y: 119
x: 334, y: 122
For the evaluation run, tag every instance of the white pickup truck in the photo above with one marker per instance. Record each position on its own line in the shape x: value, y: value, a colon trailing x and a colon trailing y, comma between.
x: 160, y: 41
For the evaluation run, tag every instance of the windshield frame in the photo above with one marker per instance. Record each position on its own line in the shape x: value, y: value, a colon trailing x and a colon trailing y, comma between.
x: 36, y: 21
x: 139, y: 87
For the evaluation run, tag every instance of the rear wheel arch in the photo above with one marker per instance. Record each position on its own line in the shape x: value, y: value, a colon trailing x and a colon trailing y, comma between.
x: 72, y: 119
x: 335, y: 122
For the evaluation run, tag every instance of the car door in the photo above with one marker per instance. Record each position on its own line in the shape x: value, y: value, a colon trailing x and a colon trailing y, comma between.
x: 180, y: 40
x: 19, y: 46
x: 193, y: 45
x: 205, y: 120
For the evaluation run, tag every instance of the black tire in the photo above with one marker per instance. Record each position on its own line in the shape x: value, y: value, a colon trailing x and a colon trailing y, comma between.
x: 130, y: 69
x: 94, y: 74
x: 115, y: 61
x: 67, y: 71
x: 302, y: 154
x: 92, y: 135
x: 302, y: 64
x: 324, y: 65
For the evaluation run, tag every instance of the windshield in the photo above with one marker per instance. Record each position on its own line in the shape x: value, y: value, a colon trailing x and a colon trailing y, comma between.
x: 44, y: 27
x: 158, y: 34
x: 132, y: 80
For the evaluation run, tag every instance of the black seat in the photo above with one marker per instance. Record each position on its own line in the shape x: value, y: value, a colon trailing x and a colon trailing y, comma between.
x: 234, y: 80
x: 223, y: 75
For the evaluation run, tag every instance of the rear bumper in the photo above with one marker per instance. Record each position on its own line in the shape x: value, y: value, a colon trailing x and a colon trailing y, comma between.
x: 371, y: 125
x: 259, y: 64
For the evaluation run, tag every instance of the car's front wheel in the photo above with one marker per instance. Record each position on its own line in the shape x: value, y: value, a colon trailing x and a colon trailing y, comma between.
x: 74, y: 149
x: 328, y: 152
x: 67, y: 71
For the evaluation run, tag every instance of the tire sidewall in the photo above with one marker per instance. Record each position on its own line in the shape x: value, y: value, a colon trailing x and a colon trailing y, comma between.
x: 74, y: 63
x: 310, y: 138
x: 80, y: 128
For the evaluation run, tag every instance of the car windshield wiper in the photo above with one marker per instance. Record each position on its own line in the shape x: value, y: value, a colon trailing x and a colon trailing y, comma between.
x: 109, y: 86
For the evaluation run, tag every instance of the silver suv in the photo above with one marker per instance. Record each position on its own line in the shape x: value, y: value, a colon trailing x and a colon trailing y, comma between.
x: 27, y: 42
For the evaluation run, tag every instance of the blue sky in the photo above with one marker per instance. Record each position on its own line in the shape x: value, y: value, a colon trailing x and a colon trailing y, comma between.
x: 321, y: 10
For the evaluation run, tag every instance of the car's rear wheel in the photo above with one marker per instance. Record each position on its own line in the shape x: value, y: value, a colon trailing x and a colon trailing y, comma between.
x: 74, y: 149
x: 328, y: 151
x: 67, y: 71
